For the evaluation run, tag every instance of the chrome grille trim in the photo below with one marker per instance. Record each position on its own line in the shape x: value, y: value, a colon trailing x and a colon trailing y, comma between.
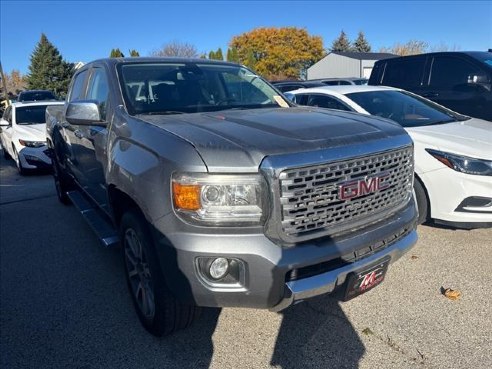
x: 306, y: 203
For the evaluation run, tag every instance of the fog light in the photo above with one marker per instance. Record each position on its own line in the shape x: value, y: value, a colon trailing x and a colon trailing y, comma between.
x: 219, y: 268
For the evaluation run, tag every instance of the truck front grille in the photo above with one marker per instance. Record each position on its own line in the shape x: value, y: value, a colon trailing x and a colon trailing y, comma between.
x: 339, y: 196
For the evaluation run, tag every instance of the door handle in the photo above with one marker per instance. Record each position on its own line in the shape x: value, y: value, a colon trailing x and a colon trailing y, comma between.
x: 78, y: 133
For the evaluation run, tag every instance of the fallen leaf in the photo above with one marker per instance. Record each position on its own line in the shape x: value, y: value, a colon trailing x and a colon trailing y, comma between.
x: 452, y: 294
x: 413, y: 257
x: 367, y: 331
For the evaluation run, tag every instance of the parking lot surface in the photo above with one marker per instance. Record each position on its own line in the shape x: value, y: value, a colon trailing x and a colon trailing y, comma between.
x: 64, y: 304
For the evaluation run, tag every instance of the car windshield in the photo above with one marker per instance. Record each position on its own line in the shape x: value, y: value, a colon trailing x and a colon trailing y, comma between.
x: 174, y: 88
x: 406, y: 109
x: 30, y: 114
x: 36, y: 96
x: 360, y: 81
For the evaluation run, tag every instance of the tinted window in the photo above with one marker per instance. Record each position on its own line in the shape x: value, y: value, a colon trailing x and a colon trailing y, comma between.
x: 404, y: 73
x: 448, y: 71
x: 344, y: 83
x: 324, y: 101
x: 404, y: 108
x: 36, y: 96
x: 7, y: 114
x: 30, y: 115
x: 98, y: 90
x: 77, y: 91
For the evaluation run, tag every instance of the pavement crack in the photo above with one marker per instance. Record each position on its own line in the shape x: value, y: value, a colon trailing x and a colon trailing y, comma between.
x: 388, y: 341
x: 25, y: 200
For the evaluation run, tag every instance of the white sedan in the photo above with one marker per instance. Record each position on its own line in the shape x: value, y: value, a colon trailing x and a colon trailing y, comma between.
x: 453, y: 153
x: 23, y: 135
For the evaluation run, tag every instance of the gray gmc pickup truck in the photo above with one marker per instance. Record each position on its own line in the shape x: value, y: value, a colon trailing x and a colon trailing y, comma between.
x: 221, y: 192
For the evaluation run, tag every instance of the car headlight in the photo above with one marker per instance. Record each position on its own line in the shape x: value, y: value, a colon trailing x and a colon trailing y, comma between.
x: 32, y: 143
x: 463, y: 164
x: 219, y: 200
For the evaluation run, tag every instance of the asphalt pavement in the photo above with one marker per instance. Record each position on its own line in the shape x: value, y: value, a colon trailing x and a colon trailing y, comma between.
x: 64, y: 304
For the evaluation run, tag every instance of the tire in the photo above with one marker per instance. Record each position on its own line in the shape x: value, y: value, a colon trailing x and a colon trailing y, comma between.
x: 6, y: 155
x: 20, y: 168
x: 422, y: 202
x: 159, y: 312
x: 63, y: 183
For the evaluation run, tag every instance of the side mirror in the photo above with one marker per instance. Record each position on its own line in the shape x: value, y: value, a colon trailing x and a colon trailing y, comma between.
x: 478, y: 79
x: 83, y: 113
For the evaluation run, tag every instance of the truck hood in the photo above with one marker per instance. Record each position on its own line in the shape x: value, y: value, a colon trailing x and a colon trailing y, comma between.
x: 472, y: 137
x: 31, y: 132
x: 241, y: 139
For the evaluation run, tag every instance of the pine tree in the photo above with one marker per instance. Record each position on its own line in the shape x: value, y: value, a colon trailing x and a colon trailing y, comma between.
x: 116, y: 53
x: 133, y: 53
x: 342, y: 43
x: 211, y: 55
x: 218, y: 54
x: 361, y: 45
x: 232, y: 55
x: 48, y: 70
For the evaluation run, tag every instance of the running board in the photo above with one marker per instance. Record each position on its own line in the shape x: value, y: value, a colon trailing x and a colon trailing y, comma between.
x: 104, y: 230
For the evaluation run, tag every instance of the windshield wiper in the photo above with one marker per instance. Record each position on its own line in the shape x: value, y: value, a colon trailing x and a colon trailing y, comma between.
x: 164, y: 112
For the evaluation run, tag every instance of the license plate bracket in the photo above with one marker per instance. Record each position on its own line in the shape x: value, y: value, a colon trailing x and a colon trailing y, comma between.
x: 366, y: 279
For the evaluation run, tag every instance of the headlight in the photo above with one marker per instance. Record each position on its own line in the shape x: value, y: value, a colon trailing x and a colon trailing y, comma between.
x: 463, y: 164
x: 32, y: 143
x: 220, y: 200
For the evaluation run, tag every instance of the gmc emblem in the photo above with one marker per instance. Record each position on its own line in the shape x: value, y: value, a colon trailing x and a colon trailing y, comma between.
x: 357, y: 188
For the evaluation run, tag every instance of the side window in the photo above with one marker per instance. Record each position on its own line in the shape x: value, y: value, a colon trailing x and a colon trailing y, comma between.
x: 449, y: 71
x: 344, y: 83
x: 301, y: 99
x: 77, y: 91
x: 98, y: 90
x: 324, y: 101
x: 7, y: 115
x: 404, y: 73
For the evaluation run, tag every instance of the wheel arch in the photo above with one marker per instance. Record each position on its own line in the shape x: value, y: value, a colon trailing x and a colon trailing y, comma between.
x: 427, y: 198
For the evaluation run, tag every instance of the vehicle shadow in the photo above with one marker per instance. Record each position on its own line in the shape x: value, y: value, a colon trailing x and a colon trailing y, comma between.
x: 317, y: 334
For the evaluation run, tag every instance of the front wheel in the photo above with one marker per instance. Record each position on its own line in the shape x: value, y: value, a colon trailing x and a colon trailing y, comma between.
x: 422, y: 202
x: 159, y: 312
x: 18, y: 162
x: 63, y: 183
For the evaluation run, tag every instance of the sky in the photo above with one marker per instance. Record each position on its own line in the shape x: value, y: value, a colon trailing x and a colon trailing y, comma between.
x: 88, y: 30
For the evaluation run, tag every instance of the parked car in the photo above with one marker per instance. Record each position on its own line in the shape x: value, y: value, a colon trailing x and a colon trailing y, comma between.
x: 461, y: 81
x: 36, y: 95
x: 341, y: 81
x: 285, y: 86
x: 23, y: 135
x: 453, y: 152
x: 223, y: 193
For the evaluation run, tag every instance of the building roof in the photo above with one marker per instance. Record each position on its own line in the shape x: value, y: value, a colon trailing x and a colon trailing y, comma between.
x: 364, y: 56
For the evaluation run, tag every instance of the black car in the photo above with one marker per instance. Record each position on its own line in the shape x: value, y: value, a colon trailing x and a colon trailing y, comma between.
x: 285, y: 86
x: 461, y: 81
x: 36, y: 95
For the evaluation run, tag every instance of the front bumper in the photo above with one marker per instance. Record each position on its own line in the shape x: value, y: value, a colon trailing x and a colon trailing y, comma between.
x: 35, y: 157
x: 451, y: 193
x: 319, y: 265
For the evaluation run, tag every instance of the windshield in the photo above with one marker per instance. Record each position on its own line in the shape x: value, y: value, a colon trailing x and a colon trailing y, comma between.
x: 36, y: 96
x: 174, y: 88
x: 30, y: 114
x: 408, y: 110
x: 360, y: 81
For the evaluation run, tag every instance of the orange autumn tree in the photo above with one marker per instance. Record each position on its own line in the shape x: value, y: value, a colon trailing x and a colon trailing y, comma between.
x: 278, y: 53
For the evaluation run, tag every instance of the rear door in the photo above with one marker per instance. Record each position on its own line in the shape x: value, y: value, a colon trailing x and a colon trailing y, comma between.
x: 449, y: 84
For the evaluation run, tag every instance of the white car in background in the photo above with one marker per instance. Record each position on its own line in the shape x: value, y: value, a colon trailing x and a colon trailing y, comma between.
x: 23, y: 134
x: 453, y: 152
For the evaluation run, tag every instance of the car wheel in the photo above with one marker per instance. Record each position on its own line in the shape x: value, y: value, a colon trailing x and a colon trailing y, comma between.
x: 422, y: 202
x: 18, y: 162
x: 63, y: 183
x: 159, y: 312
